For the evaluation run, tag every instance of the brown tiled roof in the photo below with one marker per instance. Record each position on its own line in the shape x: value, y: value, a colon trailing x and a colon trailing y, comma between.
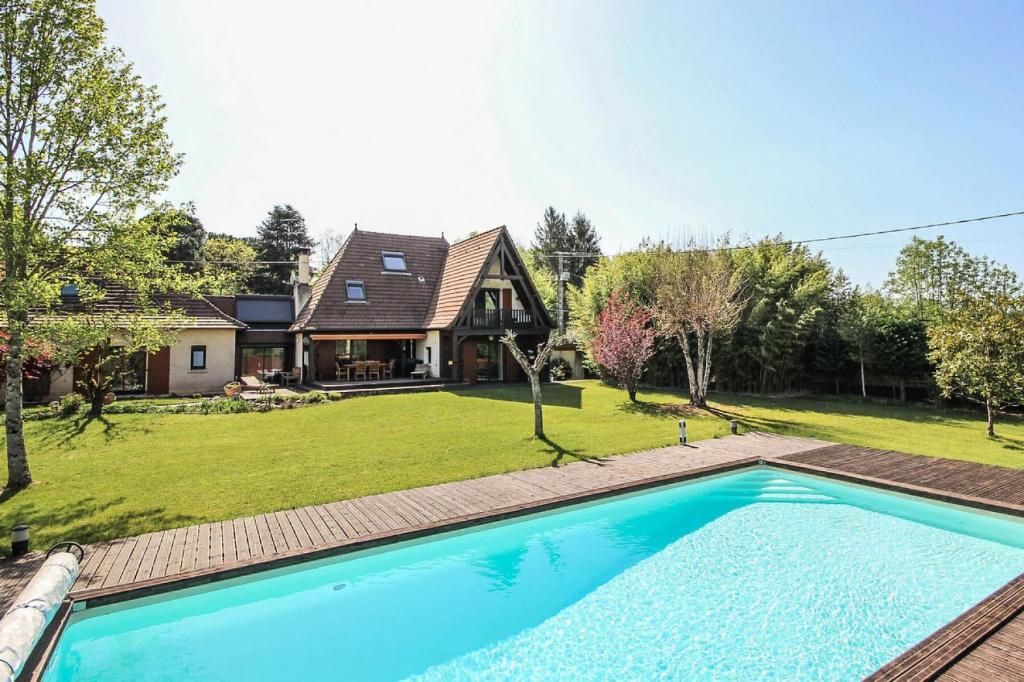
x: 465, y: 261
x: 199, y: 312
x: 393, y: 300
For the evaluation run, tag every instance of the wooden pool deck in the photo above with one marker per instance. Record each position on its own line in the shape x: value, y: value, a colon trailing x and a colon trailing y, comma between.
x: 986, y: 643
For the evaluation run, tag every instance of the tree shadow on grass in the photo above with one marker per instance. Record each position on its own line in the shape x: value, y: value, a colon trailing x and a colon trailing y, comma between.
x: 1009, y: 443
x: 552, y: 395
x: 79, y: 520
x: 63, y: 432
x: 662, y: 409
x: 560, y: 453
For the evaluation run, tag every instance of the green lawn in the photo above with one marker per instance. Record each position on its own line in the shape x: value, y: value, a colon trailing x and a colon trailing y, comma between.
x: 127, y: 474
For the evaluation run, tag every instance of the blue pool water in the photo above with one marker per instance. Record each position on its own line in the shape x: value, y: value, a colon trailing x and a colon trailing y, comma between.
x: 761, y: 574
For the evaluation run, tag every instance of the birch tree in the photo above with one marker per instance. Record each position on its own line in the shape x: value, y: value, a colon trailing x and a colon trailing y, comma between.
x: 697, y: 298
x: 83, y: 148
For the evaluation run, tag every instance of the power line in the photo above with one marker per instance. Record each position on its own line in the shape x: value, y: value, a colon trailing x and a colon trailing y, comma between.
x: 892, y: 230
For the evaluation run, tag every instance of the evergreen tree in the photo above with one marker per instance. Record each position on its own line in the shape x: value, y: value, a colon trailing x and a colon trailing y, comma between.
x: 551, y: 235
x: 556, y: 234
x: 582, y: 239
x: 190, y: 238
x: 279, y: 236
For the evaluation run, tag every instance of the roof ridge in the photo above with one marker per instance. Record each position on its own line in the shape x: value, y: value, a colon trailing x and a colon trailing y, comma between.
x: 479, y: 235
x: 397, y: 234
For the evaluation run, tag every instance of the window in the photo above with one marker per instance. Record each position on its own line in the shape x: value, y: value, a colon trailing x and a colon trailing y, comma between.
x: 129, y: 370
x: 430, y: 355
x: 349, y: 350
x: 393, y: 261
x: 198, y: 358
x: 356, y: 290
x: 487, y: 299
x: 263, y: 362
x: 69, y: 290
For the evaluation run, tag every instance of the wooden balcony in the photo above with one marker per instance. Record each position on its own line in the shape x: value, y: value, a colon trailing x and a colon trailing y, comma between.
x: 501, y: 318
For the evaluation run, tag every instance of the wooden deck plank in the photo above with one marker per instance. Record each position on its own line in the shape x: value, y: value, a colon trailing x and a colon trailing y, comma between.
x: 188, y: 555
x: 228, y: 535
x: 203, y: 544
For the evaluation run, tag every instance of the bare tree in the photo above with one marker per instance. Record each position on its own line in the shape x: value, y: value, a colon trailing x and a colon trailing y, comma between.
x: 533, y: 369
x: 327, y: 244
x: 697, y: 296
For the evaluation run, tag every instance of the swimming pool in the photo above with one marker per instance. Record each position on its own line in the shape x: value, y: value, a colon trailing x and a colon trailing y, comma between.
x: 761, y: 573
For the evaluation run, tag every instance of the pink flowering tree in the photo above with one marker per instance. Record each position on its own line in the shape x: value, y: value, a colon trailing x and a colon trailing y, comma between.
x: 623, y: 341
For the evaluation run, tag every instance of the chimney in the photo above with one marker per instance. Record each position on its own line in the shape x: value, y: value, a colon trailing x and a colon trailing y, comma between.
x: 301, y: 290
x: 302, y: 256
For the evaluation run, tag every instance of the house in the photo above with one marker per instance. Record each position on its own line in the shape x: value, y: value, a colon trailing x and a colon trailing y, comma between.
x: 407, y: 300
x: 265, y: 346
x: 201, y: 360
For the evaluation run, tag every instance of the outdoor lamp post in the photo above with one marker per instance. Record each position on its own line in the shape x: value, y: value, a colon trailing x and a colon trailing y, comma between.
x: 682, y: 432
x: 19, y: 539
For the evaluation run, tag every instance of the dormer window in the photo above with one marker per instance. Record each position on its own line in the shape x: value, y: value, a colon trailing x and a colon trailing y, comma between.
x: 356, y: 290
x: 394, y: 261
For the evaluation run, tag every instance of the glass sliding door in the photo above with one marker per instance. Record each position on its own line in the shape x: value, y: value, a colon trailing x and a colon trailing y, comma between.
x: 488, y: 360
x: 129, y: 370
x: 262, y: 362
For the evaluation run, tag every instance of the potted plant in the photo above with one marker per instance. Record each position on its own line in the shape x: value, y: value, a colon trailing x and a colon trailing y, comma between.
x: 232, y: 389
x: 109, y: 397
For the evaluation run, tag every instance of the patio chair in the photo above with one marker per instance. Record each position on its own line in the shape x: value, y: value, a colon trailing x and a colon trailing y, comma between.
x: 389, y: 370
x: 421, y: 372
x: 359, y: 370
x: 373, y: 369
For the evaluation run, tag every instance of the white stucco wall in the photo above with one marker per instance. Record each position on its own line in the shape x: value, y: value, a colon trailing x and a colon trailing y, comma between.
x: 574, y: 358
x: 220, y: 361
x: 433, y: 341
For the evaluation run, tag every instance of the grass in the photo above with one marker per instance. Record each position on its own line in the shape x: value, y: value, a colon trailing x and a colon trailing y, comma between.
x: 126, y: 474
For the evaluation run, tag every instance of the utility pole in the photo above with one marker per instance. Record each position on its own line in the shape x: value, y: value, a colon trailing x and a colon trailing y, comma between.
x: 561, y: 295
x: 563, y: 277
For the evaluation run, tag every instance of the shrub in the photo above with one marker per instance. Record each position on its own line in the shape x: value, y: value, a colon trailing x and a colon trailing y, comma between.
x: 313, y: 397
x: 560, y: 369
x: 68, y: 405
x: 131, y: 407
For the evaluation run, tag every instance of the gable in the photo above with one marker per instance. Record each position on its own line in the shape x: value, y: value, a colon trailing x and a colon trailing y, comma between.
x: 469, y: 264
x: 462, y: 270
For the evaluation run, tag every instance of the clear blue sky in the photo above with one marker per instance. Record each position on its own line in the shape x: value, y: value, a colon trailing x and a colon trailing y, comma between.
x: 656, y: 119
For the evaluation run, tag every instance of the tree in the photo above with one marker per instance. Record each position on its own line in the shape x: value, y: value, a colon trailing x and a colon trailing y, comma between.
x: 582, y: 239
x: 103, y: 339
x: 788, y: 290
x: 623, y: 341
x: 228, y: 264
x: 533, y: 370
x: 696, y: 298
x: 327, y: 245
x: 899, y: 345
x: 552, y: 233
x: 83, y: 147
x: 279, y: 236
x: 935, y: 275
x: 978, y: 352
x: 856, y: 325
x: 542, y: 277
x: 190, y: 238
x: 631, y: 273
